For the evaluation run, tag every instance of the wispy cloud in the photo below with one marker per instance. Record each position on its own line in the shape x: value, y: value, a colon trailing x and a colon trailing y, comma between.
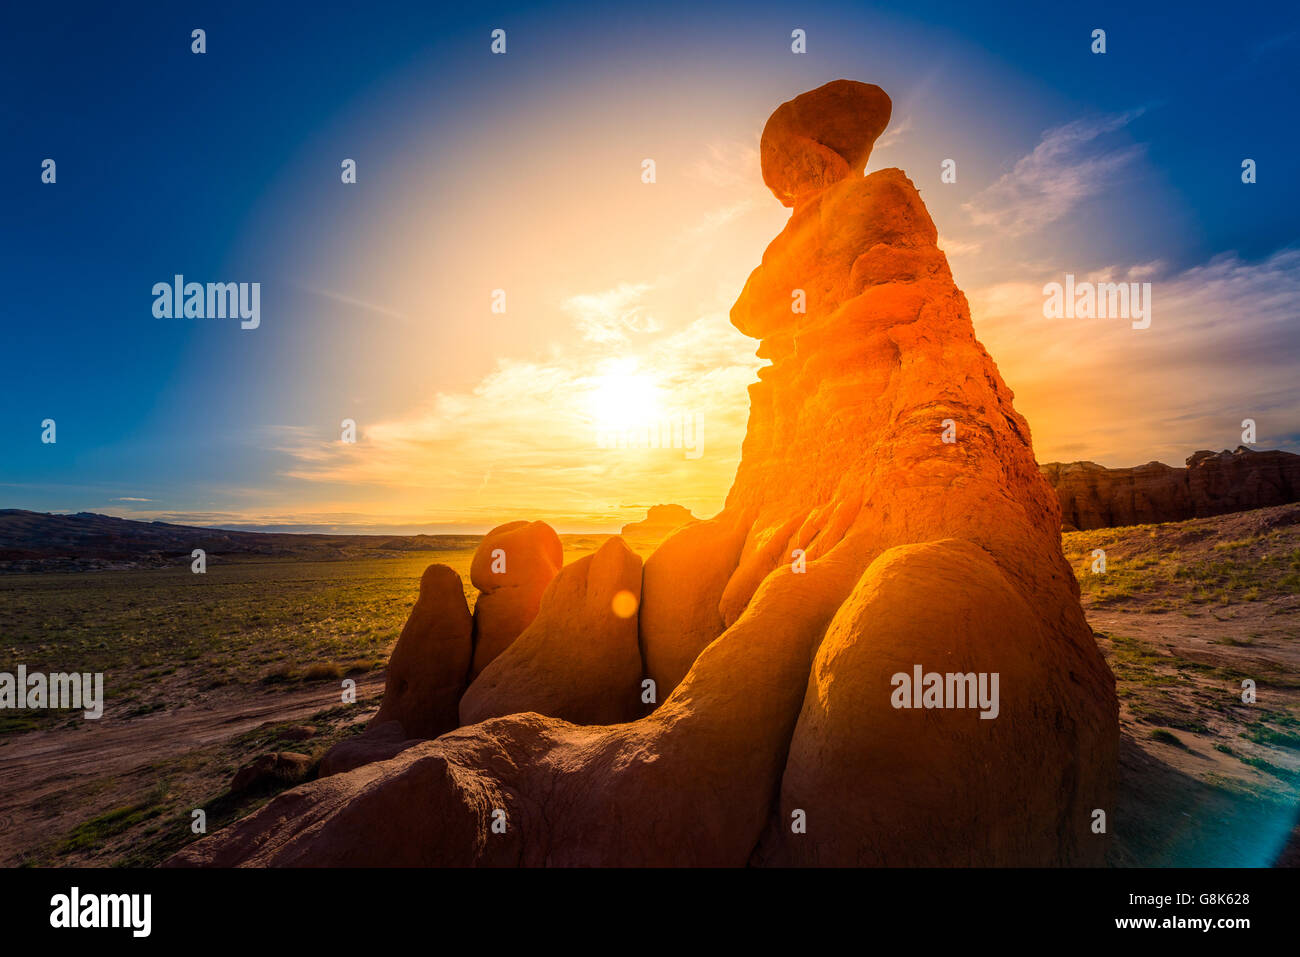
x: 715, y: 219
x: 351, y: 301
x: 895, y: 133
x: 1064, y: 169
x: 1220, y: 348
x: 610, y: 315
x: 728, y: 165
x: 957, y: 247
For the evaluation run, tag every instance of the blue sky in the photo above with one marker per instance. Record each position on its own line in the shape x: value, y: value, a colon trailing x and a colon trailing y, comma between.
x: 478, y: 171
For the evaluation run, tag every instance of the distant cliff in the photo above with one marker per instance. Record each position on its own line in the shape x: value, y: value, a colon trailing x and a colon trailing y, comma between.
x: 1212, y: 483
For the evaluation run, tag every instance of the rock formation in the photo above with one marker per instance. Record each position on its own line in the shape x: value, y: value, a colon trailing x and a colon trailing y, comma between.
x: 660, y: 521
x: 511, y: 568
x: 579, y: 659
x: 268, y: 770
x: 380, y: 741
x: 681, y: 589
x: 1093, y: 496
x: 427, y: 674
x: 856, y: 546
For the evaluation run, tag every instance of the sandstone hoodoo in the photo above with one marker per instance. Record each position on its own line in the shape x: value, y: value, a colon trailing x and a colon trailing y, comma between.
x: 855, y: 544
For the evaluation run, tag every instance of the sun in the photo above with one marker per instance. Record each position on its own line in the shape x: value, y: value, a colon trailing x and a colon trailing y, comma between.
x: 623, y: 398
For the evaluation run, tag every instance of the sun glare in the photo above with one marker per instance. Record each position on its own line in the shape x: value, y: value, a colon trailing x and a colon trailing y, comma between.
x: 624, y: 398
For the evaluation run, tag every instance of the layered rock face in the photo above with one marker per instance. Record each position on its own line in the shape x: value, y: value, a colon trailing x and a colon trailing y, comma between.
x: 887, y: 519
x: 1092, y: 496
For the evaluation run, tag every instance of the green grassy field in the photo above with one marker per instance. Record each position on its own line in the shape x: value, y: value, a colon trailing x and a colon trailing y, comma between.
x: 1182, y: 564
x: 160, y: 634
x: 163, y: 635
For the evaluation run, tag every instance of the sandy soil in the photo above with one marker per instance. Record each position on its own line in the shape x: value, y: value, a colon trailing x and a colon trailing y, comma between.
x: 52, y: 780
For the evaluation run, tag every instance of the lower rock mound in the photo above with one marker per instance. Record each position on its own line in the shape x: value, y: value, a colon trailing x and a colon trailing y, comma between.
x: 511, y: 569
x: 379, y: 742
x: 427, y: 674
x: 268, y: 771
x: 678, y: 787
x: 579, y: 659
x: 863, y: 775
x: 682, y: 593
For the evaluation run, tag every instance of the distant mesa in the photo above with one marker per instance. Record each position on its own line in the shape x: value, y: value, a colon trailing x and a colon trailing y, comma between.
x: 659, y: 523
x: 1212, y: 483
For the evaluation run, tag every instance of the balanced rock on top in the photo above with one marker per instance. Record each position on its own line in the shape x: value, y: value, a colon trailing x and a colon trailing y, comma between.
x: 822, y: 137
